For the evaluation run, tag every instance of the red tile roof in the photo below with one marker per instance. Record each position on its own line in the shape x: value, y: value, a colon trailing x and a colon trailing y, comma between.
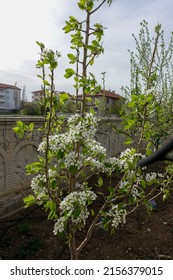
x: 108, y: 93
x: 105, y: 93
x: 5, y: 86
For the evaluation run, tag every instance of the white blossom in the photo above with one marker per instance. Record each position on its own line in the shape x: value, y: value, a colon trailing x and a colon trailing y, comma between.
x: 149, y: 177
x: 38, y: 185
x: 73, y: 201
x: 117, y: 216
x: 73, y: 159
x: 42, y: 146
x: 135, y: 191
x: 129, y: 155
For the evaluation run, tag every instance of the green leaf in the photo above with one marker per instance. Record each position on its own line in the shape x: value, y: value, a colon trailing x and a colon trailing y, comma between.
x: 63, y: 97
x: 68, y: 73
x: 72, y: 19
x: 52, y: 206
x: 128, y: 142
x: 34, y: 167
x: 39, y: 64
x: 81, y: 4
x: 52, y: 215
x: 90, y: 5
x: 89, y: 99
x: 41, y: 45
x: 67, y: 28
x: 46, y: 206
x: 71, y: 56
x: 61, y: 234
x: 46, y: 82
x: 131, y: 200
x: 143, y: 184
x: 39, y: 76
x: 29, y: 200
x: 92, y: 48
x: 73, y: 169
x: 92, y: 61
x: 19, y: 124
x: 76, y: 213
x: 19, y: 131
x: 100, y: 182
x: 31, y: 126
x: 105, y: 222
x: 53, y: 184
x: 60, y: 155
x: 53, y: 65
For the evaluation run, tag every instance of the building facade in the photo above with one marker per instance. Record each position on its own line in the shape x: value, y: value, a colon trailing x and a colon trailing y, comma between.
x: 105, y: 102
x: 39, y: 94
x: 9, y: 98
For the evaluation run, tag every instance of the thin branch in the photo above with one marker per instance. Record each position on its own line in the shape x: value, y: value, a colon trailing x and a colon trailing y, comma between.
x: 92, y: 227
x: 92, y: 12
x: 153, y: 59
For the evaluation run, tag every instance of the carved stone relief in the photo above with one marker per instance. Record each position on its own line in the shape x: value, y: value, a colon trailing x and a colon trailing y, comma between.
x: 2, y: 175
x: 26, y: 154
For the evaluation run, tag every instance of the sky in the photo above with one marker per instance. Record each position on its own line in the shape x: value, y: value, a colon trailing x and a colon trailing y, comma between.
x: 23, y: 22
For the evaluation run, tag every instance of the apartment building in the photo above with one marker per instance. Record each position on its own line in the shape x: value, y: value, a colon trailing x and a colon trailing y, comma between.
x: 9, y: 98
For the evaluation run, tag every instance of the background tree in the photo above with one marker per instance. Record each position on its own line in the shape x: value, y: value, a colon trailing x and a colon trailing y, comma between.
x: 150, y: 94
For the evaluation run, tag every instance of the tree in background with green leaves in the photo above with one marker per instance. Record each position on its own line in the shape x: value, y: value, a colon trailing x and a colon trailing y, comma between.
x: 148, y: 109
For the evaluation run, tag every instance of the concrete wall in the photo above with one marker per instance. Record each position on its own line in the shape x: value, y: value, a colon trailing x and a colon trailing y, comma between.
x: 15, y: 154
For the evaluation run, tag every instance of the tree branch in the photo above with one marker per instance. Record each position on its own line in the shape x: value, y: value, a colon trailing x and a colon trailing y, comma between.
x: 92, y: 12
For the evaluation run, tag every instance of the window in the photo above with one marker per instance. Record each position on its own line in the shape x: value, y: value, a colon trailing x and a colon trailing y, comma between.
x: 107, y: 100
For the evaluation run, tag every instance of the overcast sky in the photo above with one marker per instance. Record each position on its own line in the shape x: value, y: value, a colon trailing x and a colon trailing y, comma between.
x: 23, y: 22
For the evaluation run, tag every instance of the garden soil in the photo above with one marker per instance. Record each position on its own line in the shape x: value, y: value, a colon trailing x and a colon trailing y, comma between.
x: 145, y: 236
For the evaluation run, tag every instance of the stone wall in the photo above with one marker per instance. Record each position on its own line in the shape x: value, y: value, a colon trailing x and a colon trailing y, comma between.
x: 15, y: 154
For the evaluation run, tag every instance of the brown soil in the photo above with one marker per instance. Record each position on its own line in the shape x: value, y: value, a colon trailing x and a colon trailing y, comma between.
x: 30, y: 236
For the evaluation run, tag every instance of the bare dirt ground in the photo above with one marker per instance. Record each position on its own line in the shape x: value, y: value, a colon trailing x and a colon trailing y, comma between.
x: 30, y: 236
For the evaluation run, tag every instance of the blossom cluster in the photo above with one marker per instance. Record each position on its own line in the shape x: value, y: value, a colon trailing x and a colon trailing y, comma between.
x: 83, y: 128
x: 38, y: 185
x: 133, y: 181
x: 48, y: 52
x: 128, y: 158
x: 91, y: 152
x: 131, y: 184
x: 74, y: 208
x: 153, y: 176
x: 79, y: 130
x: 118, y: 216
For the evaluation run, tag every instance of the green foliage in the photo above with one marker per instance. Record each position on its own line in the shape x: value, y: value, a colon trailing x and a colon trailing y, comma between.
x: 69, y: 73
x: 22, y: 129
x: 148, y: 110
x: 29, y: 200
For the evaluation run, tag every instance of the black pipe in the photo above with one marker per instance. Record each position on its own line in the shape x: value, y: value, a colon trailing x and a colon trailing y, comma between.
x: 160, y: 155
